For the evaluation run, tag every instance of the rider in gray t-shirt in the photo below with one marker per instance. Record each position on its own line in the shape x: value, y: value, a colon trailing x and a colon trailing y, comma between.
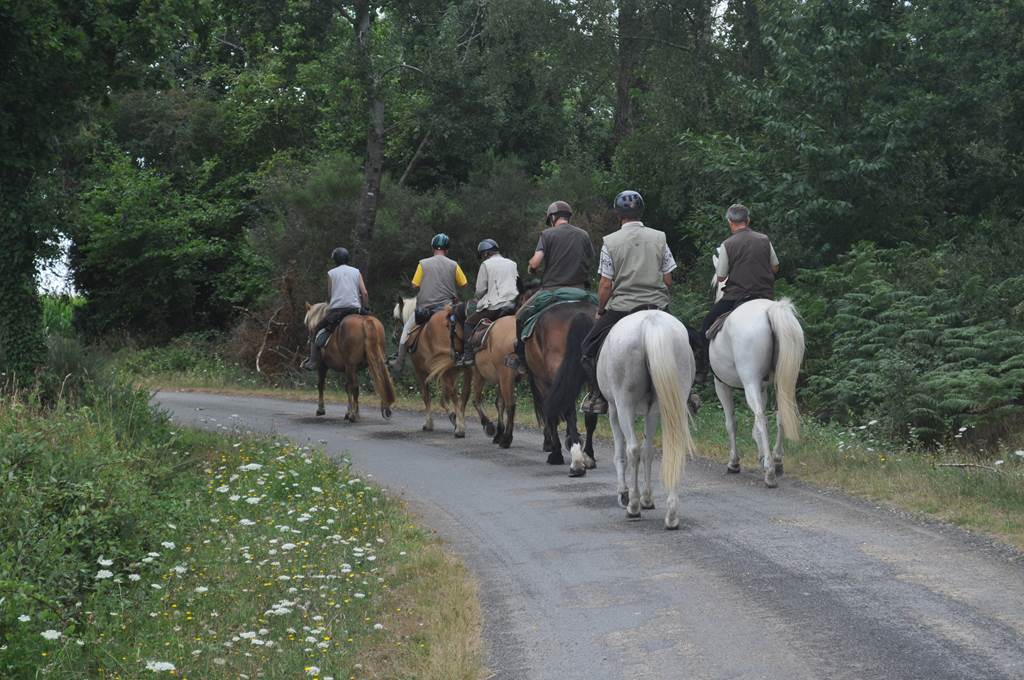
x: 346, y: 294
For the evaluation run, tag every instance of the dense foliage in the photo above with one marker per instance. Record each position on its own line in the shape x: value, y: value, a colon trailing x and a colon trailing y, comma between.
x: 236, y: 143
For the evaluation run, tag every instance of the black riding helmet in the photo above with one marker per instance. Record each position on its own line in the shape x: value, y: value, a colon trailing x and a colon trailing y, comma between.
x: 488, y: 245
x: 629, y: 204
x: 340, y: 256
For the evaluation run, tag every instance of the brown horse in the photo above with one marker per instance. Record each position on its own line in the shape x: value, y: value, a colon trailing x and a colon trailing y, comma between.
x: 489, y: 369
x: 433, y: 360
x: 553, y: 354
x: 357, y: 341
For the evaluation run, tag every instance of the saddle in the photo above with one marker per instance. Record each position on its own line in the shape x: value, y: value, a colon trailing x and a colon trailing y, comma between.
x: 716, y: 327
x: 422, y: 316
x: 479, y: 337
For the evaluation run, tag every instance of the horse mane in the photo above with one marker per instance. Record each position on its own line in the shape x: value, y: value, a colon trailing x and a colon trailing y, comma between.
x: 314, y: 314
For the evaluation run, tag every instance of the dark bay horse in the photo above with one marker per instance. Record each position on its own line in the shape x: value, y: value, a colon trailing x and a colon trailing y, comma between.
x: 556, y: 376
x: 357, y: 341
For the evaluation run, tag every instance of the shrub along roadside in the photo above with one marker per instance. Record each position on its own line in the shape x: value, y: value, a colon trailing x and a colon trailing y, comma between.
x: 126, y: 545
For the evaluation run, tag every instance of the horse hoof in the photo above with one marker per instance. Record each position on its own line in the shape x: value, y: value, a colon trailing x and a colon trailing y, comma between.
x: 769, y: 481
x: 320, y: 412
x: 732, y: 470
x: 589, y: 462
x: 428, y: 428
x: 671, y: 527
x: 555, y: 459
x: 547, y: 447
x: 778, y: 468
x: 386, y: 413
x: 491, y: 430
x: 574, y: 472
x: 624, y: 498
x: 630, y: 515
x: 647, y: 506
x: 505, y: 443
x: 460, y: 435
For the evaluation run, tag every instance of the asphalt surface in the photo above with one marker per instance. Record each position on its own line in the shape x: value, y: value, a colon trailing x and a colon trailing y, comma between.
x: 791, y: 583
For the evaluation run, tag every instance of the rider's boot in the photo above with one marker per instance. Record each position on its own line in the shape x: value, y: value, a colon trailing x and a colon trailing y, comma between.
x: 594, y: 402
x: 703, y: 362
x: 518, y: 360
x: 312, y: 362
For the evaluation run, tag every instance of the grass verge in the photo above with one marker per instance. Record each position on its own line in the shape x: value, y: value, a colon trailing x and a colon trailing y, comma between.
x: 130, y: 548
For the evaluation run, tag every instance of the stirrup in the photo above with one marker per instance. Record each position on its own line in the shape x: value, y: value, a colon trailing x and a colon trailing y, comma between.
x: 594, y: 404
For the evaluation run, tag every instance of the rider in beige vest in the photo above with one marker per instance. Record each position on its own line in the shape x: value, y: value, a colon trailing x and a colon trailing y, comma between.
x: 636, y: 269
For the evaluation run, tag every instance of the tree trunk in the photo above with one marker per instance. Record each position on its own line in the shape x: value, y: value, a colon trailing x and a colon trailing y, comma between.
x: 629, y: 29
x: 373, y: 165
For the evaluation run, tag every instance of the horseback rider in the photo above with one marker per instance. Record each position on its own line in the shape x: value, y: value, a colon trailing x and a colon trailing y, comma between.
x: 497, y: 287
x: 567, y: 255
x: 346, y: 294
x: 437, y: 280
x: 748, y: 264
x: 636, y: 270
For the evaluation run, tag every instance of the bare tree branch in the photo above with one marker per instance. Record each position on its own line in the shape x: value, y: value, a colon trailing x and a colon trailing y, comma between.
x: 230, y: 44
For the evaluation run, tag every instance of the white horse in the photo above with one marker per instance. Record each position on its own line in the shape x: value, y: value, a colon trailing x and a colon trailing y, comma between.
x: 760, y: 338
x: 646, y: 369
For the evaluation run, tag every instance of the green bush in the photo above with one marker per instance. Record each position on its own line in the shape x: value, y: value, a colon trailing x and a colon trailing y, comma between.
x: 89, y: 480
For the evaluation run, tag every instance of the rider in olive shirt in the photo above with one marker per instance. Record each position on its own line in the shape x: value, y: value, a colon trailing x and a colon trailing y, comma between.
x: 567, y: 255
x: 437, y: 280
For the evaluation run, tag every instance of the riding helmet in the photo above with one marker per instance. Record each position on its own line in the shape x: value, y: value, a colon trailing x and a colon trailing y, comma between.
x: 486, y: 246
x: 440, y: 242
x: 340, y: 256
x: 556, y: 208
x: 629, y: 204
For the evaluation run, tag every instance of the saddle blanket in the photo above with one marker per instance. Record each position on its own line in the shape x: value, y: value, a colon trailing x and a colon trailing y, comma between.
x: 546, y: 299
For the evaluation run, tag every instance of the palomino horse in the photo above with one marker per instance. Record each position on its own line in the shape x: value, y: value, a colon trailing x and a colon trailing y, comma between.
x: 553, y: 354
x: 357, y: 341
x: 433, y: 359
x: 489, y: 368
x: 646, y: 369
x: 758, y: 338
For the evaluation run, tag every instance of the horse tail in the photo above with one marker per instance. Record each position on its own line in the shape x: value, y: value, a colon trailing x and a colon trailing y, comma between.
x: 439, y: 367
x: 566, y: 385
x: 373, y: 348
x: 664, y: 367
x: 789, y: 343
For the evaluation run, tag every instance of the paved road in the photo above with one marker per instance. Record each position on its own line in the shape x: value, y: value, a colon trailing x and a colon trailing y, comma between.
x: 793, y: 583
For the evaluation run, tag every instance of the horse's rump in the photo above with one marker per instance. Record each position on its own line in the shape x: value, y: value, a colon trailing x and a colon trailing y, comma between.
x: 545, y: 300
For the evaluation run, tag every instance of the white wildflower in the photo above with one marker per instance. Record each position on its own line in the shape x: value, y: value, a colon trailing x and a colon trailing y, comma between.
x: 103, y: 573
x: 250, y: 467
x: 104, y: 562
x: 246, y: 522
x: 288, y: 546
x: 223, y: 488
x: 1019, y: 454
x: 201, y: 589
x: 134, y: 577
x: 159, y: 666
x: 252, y: 500
x: 51, y: 634
x: 156, y: 586
x: 1000, y: 462
x: 24, y: 618
x: 169, y: 545
x: 179, y: 569
x: 378, y: 626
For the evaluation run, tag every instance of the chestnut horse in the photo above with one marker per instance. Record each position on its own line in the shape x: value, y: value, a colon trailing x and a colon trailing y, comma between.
x: 489, y: 369
x: 433, y: 359
x: 553, y: 354
x: 357, y: 341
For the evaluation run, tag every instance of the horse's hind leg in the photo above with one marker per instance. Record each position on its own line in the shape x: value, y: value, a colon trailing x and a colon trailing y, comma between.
x: 428, y: 423
x: 777, y: 451
x: 724, y: 393
x: 352, y: 387
x: 650, y: 427
x: 619, y: 456
x: 478, y: 399
x: 625, y: 418
x: 321, y: 380
x: 755, y: 401
x: 590, y: 424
